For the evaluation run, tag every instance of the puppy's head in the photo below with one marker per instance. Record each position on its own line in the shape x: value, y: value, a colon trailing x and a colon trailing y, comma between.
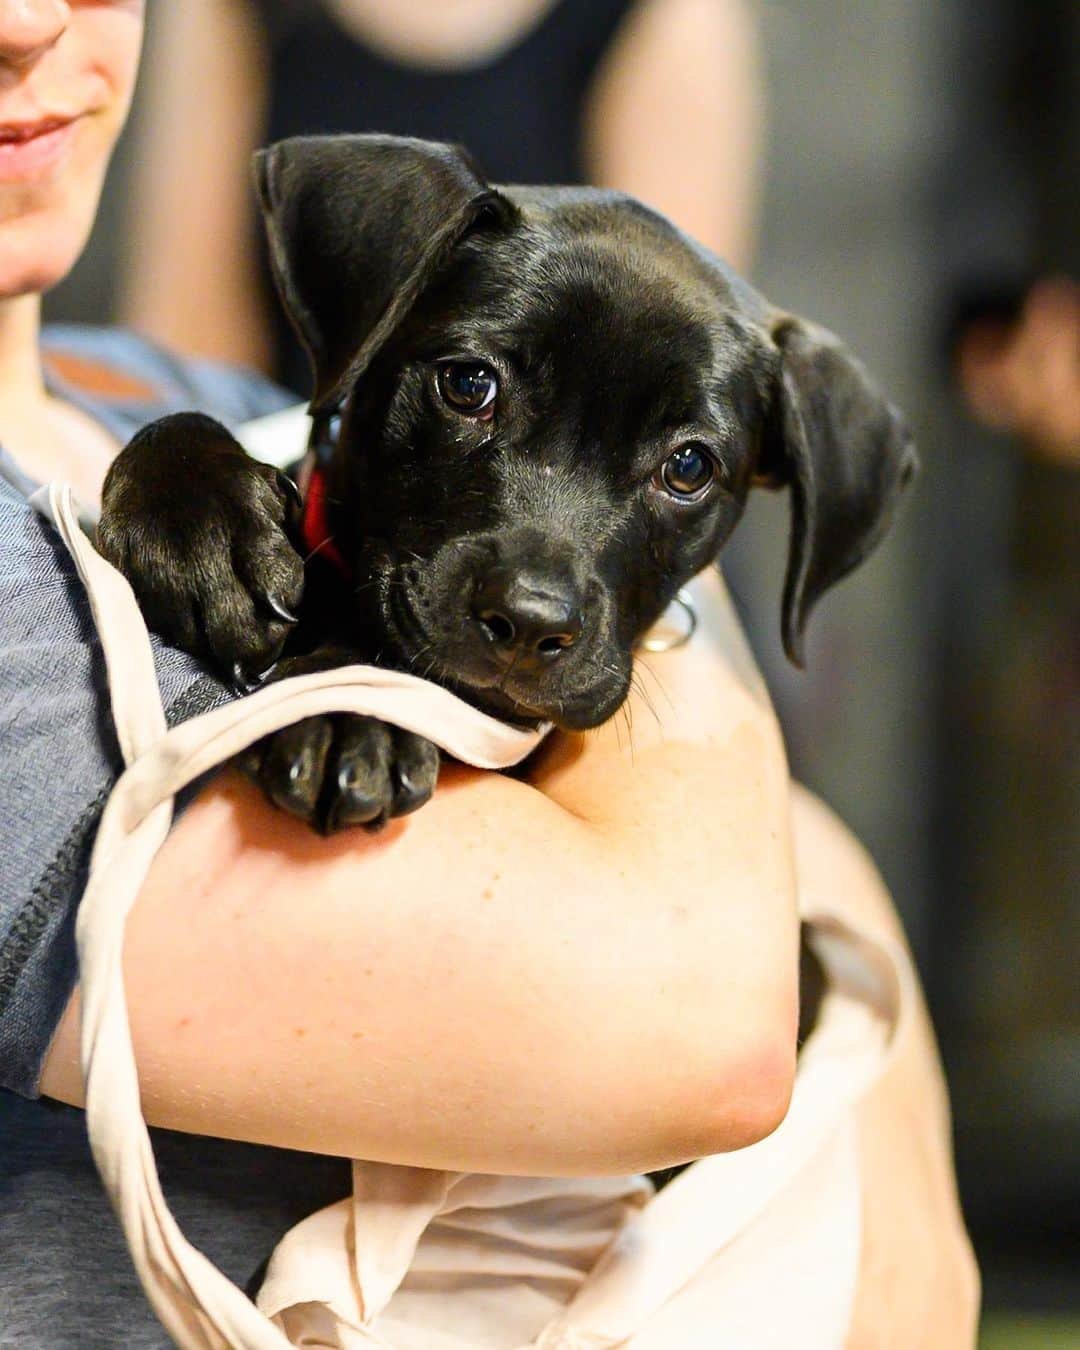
x: 554, y: 407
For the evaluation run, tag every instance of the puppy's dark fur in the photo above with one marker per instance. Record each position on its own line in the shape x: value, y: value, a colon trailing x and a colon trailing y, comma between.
x: 516, y: 557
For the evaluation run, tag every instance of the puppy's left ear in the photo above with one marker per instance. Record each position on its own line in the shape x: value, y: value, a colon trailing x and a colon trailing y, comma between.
x: 846, y: 454
x: 357, y: 226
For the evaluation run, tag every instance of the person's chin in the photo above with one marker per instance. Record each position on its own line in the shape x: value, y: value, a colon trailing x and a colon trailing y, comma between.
x: 41, y: 237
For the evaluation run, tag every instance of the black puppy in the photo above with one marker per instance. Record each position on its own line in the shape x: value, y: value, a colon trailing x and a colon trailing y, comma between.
x: 553, y: 405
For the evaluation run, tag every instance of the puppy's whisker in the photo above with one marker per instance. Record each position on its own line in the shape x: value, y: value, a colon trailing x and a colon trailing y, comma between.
x: 643, y: 694
x: 323, y: 543
x: 644, y: 666
x: 420, y: 652
x: 628, y: 719
x: 430, y: 665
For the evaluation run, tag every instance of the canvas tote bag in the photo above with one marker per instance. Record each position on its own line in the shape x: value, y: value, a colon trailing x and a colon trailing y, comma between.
x: 752, y: 1249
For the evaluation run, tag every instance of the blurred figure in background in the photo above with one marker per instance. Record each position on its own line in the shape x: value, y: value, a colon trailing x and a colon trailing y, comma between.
x: 1006, y: 990
x: 656, y: 97
x: 1020, y: 372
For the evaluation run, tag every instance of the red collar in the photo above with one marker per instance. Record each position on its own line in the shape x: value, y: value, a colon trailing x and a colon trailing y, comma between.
x: 315, y: 521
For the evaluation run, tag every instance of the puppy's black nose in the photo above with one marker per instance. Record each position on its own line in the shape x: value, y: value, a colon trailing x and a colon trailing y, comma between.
x: 530, y: 619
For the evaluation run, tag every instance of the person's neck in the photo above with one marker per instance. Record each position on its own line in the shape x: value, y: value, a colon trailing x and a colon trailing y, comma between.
x: 22, y: 380
x: 48, y: 437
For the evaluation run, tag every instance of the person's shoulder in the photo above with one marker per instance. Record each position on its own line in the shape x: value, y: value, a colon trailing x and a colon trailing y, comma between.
x: 16, y: 486
x: 30, y: 556
x: 135, y: 377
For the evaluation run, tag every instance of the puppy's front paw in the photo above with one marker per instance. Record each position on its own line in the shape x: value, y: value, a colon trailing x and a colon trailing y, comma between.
x: 341, y: 770
x: 201, y: 532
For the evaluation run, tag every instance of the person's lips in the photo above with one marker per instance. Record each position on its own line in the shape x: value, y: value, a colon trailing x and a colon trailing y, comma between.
x: 31, y: 150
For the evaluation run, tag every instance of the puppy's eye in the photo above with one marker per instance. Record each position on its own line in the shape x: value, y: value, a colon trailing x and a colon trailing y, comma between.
x: 468, y: 387
x: 688, y: 472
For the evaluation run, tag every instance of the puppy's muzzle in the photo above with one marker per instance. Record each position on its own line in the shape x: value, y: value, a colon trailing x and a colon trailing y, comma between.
x: 526, y: 620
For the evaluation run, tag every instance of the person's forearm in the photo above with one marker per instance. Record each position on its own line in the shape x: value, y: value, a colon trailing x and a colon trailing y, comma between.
x: 598, y: 976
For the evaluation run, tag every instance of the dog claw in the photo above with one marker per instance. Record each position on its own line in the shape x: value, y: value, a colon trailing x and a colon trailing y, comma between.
x: 244, y: 683
x: 347, y: 811
x: 290, y: 489
x: 281, y: 609
x: 410, y: 795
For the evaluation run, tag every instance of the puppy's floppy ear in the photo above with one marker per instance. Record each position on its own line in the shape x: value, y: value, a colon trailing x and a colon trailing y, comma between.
x: 846, y: 454
x: 357, y: 225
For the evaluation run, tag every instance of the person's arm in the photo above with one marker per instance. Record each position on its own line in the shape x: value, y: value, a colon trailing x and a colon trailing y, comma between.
x: 594, y: 972
x: 675, y: 118
x: 918, y: 1282
x: 1023, y: 376
x: 193, y: 280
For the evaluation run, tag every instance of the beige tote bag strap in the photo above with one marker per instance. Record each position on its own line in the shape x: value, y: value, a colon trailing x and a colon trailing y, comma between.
x: 199, y: 1307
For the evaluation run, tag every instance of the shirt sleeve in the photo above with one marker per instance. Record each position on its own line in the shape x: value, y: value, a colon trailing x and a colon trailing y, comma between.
x: 58, y: 762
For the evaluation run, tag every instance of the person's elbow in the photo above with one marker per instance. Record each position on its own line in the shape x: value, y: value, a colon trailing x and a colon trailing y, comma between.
x: 711, y: 1030
x: 744, y: 1094
x: 686, y: 1095
x: 735, y: 1027
x: 757, y: 1094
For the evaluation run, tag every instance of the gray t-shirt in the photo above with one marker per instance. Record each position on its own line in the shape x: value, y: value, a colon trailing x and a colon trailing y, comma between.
x: 65, y: 1276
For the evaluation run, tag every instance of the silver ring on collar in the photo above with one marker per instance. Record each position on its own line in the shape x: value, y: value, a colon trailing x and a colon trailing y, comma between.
x: 665, y: 636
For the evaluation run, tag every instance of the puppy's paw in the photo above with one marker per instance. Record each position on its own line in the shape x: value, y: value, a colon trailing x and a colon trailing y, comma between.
x: 201, y: 532
x: 342, y: 770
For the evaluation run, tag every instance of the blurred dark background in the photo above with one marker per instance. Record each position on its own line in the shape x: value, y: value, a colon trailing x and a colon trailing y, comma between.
x: 919, y: 179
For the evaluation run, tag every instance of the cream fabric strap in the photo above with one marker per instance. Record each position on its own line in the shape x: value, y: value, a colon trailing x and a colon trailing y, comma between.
x: 753, y: 1249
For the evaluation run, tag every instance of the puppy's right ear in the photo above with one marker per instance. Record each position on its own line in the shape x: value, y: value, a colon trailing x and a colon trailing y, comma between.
x: 357, y: 226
